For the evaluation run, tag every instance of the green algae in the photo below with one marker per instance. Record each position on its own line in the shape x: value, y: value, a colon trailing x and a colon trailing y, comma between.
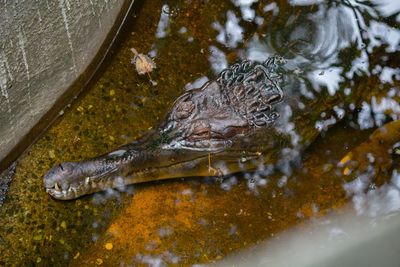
x: 191, y: 220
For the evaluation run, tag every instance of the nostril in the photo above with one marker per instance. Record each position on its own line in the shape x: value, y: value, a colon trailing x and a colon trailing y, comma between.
x: 61, y: 167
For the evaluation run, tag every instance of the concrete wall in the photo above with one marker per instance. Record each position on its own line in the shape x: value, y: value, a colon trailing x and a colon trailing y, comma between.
x: 45, y: 46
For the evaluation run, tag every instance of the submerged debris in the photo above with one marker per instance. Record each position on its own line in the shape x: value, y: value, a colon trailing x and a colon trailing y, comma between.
x: 143, y: 63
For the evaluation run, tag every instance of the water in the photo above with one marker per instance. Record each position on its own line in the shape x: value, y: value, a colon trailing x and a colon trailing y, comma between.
x: 342, y: 62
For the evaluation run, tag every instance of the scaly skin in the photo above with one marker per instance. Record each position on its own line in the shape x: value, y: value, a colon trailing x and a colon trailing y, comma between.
x: 228, y: 120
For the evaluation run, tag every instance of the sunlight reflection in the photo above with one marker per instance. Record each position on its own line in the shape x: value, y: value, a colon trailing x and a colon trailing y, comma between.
x: 163, y: 24
x: 380, y: 201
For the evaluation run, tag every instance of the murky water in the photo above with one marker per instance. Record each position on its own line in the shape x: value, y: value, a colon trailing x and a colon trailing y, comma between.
x: 342, y: 82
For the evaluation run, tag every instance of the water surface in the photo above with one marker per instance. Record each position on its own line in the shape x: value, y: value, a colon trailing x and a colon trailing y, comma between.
x: 334, y: 50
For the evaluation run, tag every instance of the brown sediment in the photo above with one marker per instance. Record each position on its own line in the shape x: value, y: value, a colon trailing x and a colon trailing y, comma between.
x: 193, y: 219
x: 120, y: 107
x: 201, y: 223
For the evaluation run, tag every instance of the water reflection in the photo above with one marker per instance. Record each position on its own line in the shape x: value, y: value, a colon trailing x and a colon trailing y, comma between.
x: 374, y: 202
x: 329, y: 48
x: 342, y: 65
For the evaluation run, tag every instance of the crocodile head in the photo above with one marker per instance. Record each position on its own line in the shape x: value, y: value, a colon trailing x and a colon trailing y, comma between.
x: 220, y: 118
x: 240, y: 100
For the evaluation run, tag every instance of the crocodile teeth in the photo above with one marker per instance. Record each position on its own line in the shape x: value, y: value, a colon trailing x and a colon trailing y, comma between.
x: 87, y: 180
x: 57, y: 187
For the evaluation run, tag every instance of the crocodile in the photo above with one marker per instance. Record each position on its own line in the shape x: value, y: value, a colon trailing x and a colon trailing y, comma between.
x: 249, y: 117
x: 216, y: 123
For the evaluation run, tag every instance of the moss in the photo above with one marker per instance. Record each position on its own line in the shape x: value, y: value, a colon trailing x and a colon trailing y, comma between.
x: 196, y: 225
